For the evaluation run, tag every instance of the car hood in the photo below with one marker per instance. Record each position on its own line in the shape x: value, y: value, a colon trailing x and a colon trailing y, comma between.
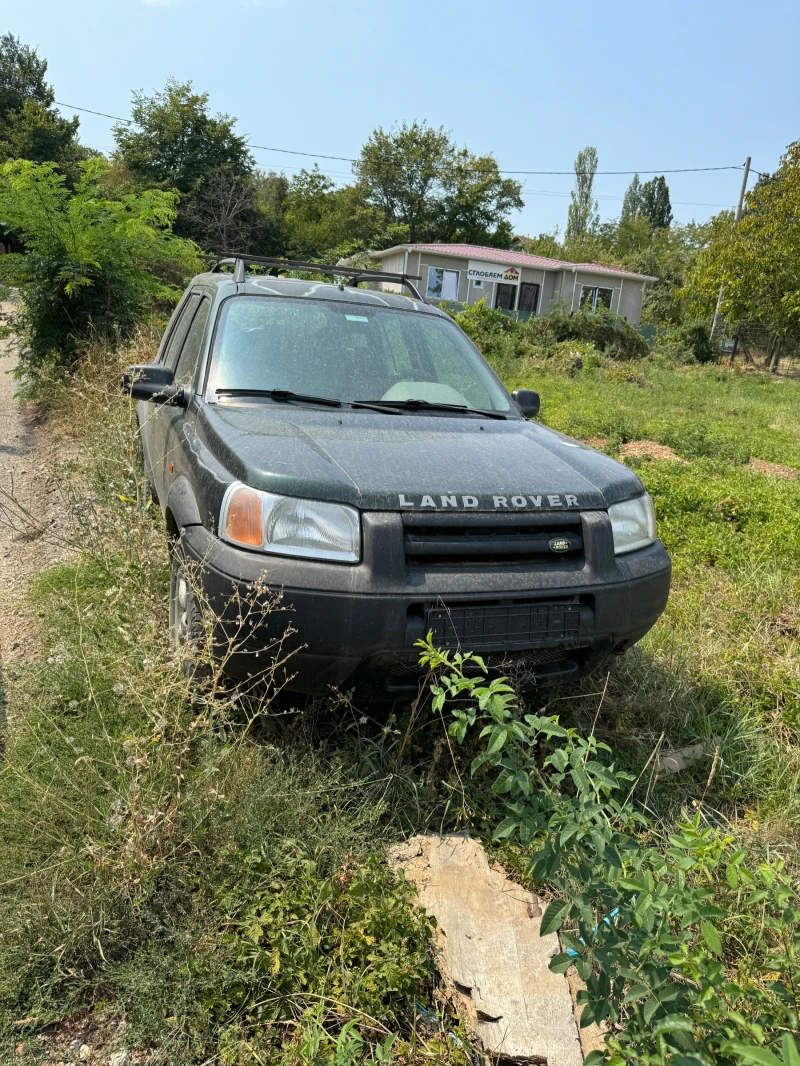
x: 410, y: 461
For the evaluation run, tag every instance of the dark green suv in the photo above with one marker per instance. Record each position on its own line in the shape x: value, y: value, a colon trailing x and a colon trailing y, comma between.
x: 350, y: 448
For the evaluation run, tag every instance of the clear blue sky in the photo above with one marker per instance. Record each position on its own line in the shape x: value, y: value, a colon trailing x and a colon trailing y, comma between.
x: 666, y: 85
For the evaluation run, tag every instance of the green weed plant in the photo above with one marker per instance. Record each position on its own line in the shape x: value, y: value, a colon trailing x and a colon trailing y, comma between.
x: 689, y: 953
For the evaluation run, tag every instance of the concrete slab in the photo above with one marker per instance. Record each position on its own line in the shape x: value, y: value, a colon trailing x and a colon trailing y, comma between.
x: 491, y: 955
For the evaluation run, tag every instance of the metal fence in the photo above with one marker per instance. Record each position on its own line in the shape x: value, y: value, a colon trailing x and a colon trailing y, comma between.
x: 759, y: 347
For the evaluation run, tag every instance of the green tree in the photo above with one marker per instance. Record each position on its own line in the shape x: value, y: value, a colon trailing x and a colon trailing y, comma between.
x: 757, y: 261
x: 419, y: 179
x: 173, y: 142
x: 633, y: 201
x: 92, y: 264
x: 319, y: 216
x: 655, y: 203
x: 545, y: 244
x: 476, y: 201
x: 582, y: 216
x: 669, y: 255
x: 401, y: 172
x: 271, y: 192
x: 30, y: 126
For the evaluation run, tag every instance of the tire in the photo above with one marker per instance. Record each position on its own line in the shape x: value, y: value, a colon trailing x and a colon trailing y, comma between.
x: 185, y: 620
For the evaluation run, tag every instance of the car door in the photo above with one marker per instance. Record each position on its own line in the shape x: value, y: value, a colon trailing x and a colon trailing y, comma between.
x: 175, y: 419
x: 149, y: 414
x: 158, y: 415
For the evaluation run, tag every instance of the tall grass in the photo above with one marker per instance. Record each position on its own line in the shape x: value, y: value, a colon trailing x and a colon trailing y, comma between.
x: 209, y: 862
x: 723, y: 665
x: 187, y: 855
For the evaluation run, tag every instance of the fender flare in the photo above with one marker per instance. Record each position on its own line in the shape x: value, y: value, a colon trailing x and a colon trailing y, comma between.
x: 181, y: 508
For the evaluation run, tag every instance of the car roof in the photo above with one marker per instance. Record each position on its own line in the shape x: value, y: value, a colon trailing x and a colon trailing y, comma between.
x: 264, y: 285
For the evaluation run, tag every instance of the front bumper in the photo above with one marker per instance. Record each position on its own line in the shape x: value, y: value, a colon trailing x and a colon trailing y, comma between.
x: 356, y: 626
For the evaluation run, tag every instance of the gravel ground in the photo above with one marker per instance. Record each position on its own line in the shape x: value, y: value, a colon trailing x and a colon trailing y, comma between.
x: 27, y: 455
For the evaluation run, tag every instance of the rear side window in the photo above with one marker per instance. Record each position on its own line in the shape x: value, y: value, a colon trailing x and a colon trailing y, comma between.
x: 193, y: 345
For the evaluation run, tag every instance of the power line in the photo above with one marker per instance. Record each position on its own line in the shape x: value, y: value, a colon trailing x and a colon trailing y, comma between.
x: 677, y: 170
x: 608, y: 196
x: 89, y: 111
x: 349, y: 159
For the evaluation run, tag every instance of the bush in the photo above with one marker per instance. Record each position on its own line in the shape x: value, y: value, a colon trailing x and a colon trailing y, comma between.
x: 607, y: 331
x: 93, y: 264
x: 697, y: 340
x: 495, y: 332
x: 480, y: 321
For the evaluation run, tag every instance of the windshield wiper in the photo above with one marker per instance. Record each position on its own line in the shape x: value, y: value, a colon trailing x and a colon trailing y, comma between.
x: 280, y: 396
x: 427, y: 405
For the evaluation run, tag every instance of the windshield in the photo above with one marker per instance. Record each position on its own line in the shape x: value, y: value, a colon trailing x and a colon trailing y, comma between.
x: 348, y: 351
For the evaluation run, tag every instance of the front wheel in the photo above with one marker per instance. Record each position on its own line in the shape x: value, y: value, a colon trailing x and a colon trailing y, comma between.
x: 185, y: 620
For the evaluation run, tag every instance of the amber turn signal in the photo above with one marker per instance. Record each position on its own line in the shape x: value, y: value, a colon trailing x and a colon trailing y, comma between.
x: 244, y: 524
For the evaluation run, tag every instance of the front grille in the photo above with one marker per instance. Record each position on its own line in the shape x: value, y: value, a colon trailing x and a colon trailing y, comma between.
x: 480, y: 539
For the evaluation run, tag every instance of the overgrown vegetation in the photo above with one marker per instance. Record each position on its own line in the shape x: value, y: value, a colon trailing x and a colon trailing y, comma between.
x: 502, y: 336
x: 94, y: 263
x: 688, y: 953
x: 213, y: 867
x: 216, y: 876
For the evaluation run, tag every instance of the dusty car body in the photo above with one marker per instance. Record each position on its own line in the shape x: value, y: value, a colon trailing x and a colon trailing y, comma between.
x: 351, y: 448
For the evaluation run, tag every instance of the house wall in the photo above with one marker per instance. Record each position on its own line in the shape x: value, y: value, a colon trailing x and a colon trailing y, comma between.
x: 548, y: 290
x: 631, y: 303
x: 430, y: 259
x: 393, y: 264
x: 467, y: 293
x: 626, y: 299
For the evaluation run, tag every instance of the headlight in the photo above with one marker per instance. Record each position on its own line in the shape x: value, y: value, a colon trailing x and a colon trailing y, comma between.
x: 284, y: 525
x: 633, y: 523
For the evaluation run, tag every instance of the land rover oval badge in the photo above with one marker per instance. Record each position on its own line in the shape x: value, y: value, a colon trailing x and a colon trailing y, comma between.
x: 560, y: 544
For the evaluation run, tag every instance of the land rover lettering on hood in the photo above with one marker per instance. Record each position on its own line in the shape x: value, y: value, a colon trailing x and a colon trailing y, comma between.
x: 349, y: 449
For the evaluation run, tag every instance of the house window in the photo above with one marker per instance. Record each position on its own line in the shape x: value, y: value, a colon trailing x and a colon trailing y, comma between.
x: 442, y: 284
x: 592, y: 297
x: 528, y: 296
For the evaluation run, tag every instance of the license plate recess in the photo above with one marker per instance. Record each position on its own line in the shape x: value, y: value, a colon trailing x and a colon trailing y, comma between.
x: 500, y: 626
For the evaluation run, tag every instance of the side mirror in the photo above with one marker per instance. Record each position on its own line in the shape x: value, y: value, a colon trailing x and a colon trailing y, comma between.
x: 153, y: 383
x: 527, y: 401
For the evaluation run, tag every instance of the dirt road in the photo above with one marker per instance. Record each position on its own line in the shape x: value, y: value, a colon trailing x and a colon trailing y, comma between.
x: 26, y: 458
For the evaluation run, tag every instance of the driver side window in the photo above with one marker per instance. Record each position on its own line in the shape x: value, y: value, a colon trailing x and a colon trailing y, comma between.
x: 186, y: 368
x: 175, y: 343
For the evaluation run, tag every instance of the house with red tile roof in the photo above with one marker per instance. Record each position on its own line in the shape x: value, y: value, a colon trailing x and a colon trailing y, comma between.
x: 516, y: 281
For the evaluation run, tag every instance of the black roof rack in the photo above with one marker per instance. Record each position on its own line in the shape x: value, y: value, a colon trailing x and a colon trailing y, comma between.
x: 239, y: 261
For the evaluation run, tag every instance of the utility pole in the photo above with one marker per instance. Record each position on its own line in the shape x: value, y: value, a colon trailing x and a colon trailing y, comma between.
x: 738, y: 214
